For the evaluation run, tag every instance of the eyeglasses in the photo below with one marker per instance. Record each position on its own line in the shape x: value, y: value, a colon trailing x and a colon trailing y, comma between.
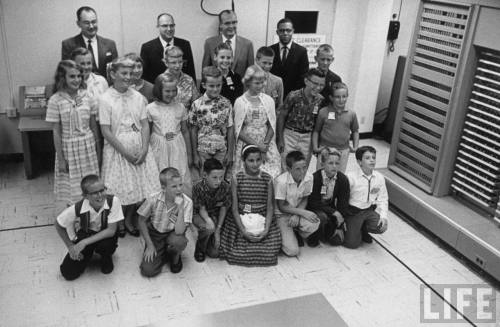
x: 318, y: 85
x: 88, y: 23
x: 98, y: 191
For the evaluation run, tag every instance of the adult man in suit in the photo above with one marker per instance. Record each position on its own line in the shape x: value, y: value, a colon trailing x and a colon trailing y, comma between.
x: 242, y: 48
x: 103, y: 50
x: 290, y: 62
x: 152, y: 52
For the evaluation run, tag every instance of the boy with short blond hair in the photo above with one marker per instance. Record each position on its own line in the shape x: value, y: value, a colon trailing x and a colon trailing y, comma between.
x: 273, y: 84
x: 324, y: 58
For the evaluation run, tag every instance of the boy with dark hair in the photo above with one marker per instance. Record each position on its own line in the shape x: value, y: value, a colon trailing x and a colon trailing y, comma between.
x: 163, y: 219
x: 89, y: 226
x: 368, y: 200
x: 329, y: 200
x: 212, y: 199
x: 291, y: 191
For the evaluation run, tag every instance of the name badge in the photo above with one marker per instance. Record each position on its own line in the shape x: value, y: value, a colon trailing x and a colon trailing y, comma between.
x: 315, y: 110
x: 219, y: 204
x: 247, y: 208
x: 134, y: 128
x: 331, y: 115
x: 255, y: 114
x: 374, y: 190
x: 323, y: 189
x: 229, y: 81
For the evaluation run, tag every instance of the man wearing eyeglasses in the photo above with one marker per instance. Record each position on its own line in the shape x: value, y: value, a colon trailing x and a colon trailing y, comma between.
x: 153, y: 52
x: 89, y: 226
x: 242, y: 48
x: 103, y: 50
x: 290, y: 62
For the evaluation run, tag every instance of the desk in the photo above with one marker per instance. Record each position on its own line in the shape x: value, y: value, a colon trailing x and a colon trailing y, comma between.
x: 308, y: 310
x: 27, y: 126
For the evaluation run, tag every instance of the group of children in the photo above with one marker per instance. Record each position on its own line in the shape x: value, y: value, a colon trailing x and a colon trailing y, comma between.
x: 251, y: 201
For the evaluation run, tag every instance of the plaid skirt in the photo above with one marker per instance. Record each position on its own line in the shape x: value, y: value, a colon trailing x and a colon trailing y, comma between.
x: 81, y: 155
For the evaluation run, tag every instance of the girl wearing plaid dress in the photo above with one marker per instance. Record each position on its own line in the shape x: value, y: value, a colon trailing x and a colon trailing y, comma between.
x: 73, y: 114
x: 128, y: 166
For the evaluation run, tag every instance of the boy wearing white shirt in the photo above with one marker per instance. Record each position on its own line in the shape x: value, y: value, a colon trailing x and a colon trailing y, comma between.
x: 94, y: 219
x: 368, y: 201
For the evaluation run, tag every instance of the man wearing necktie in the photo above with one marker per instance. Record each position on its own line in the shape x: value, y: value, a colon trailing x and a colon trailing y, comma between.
x: 242, y: 48
x: 103, y: 50
x: 292, y: 62
x: 153, y: 52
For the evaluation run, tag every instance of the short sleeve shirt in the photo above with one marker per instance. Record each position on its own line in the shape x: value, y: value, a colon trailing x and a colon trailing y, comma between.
x: 162, y: 218
x: 336, y: 127
x: 69, y: 220
x: 211, y: 199
x: 212, y: 117
x: 301, y: 112
x: 285, y: 188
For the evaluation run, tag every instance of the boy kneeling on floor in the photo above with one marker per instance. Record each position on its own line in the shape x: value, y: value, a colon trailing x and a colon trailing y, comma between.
x: 163, y: 219
x: 92, y: 224
x: 368, y: 200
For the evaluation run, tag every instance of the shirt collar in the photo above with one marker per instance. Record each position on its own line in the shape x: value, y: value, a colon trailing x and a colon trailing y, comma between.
x: 289, y: 46
x: 323, y: 174
x: 164, y: 43
x: 86, y: 207
x: 290, y: 180
x: 362, y: 174
x: 207, y: 99
x: 233, y: 39
x: 86, y: 39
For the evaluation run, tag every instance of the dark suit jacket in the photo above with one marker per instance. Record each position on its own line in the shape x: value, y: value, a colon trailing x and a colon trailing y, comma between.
x: 294, y: 69
x: 242, y: 58
x: 152, y: 53
x: 106, y: 49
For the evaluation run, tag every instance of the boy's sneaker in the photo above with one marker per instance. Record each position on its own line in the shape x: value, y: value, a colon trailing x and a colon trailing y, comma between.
x: 366, y: 237
x: 107, y: 264
x: 176, y: 267
x: 313, y: 239
x: 199, y: 255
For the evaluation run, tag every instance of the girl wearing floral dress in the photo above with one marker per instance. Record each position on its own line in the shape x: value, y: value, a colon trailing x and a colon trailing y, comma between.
x: 252, y: 192
x: 255, y: 122
x: 72, y: 113
x: 129, y: 169
x: 186, y: 86
x: 170, y: 140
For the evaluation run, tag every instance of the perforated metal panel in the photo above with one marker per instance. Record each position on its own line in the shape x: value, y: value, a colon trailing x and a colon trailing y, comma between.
x: 434, y: 62
x: 477, y: 169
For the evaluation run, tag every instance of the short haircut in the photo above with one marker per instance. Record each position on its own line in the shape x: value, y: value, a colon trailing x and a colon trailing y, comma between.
x: 84, y: 8
x: 60, y: 75
x: 222, y: 46
x: 120, y: 63
x: 158, y: 86
x: 87, y: 181
x: 253, y: 71
x: 326, y: 155
x: 315, y: 72
x: 173, y: 52
x: 134, y: 57
x: 163, y: 14
x: 80, y: 51
x: 292, y: 157
x: 283, y: 21
x: 248, y: 150
x: 338, y: 86
x: 210, y: 71
x: 363, y: 149
x: 212, y: 164
x: 225, y: 11
x: 326, y: 48
x: 167, y: 174
x: 265, y: 52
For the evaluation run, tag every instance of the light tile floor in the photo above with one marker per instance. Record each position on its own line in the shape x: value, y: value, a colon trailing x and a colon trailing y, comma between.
x: 367, y: 287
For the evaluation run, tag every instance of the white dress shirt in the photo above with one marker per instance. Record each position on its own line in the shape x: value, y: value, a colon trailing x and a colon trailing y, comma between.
x: 233, y: 43
x: 368, y: 190
x: 95, y: 51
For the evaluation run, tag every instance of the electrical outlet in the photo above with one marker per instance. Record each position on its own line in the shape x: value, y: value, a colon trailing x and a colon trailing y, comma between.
x: 480, y: 261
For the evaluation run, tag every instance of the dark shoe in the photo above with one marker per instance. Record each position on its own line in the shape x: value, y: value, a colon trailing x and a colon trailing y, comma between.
x: 199, y: 255
x: 176, y: 267
x: 300, y: 241
x: 366, y: 237
x: 313, y: 239
x: 107, y: 264
x: 134, y: 232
